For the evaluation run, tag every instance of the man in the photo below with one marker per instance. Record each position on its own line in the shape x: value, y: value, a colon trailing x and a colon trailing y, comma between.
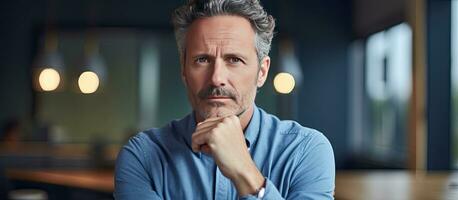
x: 227, y: 148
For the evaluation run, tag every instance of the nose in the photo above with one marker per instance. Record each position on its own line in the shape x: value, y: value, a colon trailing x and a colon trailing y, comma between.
x: 219, y: 74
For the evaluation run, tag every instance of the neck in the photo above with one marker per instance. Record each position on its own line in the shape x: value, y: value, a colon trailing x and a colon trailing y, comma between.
x: 246, y: 117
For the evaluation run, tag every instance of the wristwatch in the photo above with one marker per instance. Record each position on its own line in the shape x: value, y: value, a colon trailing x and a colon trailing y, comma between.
x: 261, y: 191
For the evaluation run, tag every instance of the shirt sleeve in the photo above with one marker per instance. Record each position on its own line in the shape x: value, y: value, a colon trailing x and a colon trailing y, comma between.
x: 315, y: 173
x: 131, y: 179
x: 314, y: 176
x: 271, y: 192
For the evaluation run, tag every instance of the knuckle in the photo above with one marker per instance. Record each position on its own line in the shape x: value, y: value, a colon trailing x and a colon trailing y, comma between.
x: 227, y: 119
x: 211, y: 146
x: 218, y: 126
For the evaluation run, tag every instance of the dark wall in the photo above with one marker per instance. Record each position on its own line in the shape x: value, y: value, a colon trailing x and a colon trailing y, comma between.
x: 16, y: 21
x: 371, y: 16
x: 321, y: 32
x: 439, y: 85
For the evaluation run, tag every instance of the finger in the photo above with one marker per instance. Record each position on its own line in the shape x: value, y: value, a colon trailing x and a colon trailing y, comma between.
x: 196, y: 147
x: 210, y: 120
x: 202, y: 131
x: 206, y: 149
x: 198, y: 140
x: 234, y: 118
x: 207, y: 125
x: 197, y: 135
x: 231, y: 120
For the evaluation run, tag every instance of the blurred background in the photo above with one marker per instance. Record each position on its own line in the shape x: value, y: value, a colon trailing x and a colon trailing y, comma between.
x: 378, y: 78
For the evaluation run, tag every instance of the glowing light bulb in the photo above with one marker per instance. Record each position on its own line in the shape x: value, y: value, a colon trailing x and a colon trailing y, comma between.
x: 49, y: 79
x: 88, y: 82
x: 284, y: 83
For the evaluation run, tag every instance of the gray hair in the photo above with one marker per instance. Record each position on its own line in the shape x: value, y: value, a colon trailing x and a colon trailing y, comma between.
x: 263, y: 24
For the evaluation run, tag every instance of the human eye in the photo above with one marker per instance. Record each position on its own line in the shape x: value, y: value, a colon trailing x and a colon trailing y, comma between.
x: 235, y: 60
x: 201, y: 60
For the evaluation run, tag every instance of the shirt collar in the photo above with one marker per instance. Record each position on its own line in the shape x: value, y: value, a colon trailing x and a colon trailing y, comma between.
x: 190, y: 128
x: 251, y: 132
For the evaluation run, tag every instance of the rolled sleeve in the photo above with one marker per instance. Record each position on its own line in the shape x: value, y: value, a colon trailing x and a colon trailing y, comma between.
x: 271, y: 192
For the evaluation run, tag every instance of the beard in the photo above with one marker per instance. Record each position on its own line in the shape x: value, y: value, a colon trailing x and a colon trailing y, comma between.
x: 237, y: 106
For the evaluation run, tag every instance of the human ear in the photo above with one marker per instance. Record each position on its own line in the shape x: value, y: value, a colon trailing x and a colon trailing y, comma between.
x: 263, y: 71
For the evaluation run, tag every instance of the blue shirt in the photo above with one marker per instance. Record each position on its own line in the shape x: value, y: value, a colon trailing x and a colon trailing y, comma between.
x: 297, y: 162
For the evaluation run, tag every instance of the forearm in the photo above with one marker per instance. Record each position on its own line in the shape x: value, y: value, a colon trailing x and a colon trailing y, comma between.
x: 249, y: 181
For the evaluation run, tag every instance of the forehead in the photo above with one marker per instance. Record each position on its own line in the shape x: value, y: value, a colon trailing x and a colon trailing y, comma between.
x: 227, y: 30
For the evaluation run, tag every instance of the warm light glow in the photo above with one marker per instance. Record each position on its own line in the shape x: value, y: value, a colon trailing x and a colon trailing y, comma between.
x: 284, y: 83
x: 88, y: 82
x: 49, y: 79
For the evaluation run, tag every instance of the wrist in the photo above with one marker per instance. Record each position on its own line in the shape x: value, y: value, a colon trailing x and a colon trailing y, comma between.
x: 249, y: 183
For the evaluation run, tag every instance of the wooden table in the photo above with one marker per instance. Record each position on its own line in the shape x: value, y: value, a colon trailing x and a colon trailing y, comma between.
x: 350, y: 185
x: 393, y: 185
x: 97, y: 180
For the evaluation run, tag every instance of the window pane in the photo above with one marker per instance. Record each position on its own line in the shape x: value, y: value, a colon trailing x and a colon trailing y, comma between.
x: 388, y: 86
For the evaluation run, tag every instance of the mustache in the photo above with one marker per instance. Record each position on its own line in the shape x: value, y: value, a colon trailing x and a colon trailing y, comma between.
x: 216, y: 91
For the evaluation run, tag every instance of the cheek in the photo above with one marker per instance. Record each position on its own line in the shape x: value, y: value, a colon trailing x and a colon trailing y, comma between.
x: 194, y: 85
x: 247, y: 88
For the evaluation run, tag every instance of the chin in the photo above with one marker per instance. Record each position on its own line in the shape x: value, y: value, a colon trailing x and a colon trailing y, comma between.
x: 210, y: 112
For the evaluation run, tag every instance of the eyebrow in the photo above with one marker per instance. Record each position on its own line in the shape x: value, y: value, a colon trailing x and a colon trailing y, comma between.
x: 227, y: 55
x: 235, y: 55
x: 200, y: 55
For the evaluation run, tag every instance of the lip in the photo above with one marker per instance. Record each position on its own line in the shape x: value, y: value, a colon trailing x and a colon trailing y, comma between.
x: 218, y: 98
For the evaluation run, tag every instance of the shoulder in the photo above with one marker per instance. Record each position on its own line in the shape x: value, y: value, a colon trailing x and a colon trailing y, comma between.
x: 170, y: 132
x: 289, y: 133
x: 138, y: 148
x: 291, y: 128
x: 140, y: 142
x: 160, y: 141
